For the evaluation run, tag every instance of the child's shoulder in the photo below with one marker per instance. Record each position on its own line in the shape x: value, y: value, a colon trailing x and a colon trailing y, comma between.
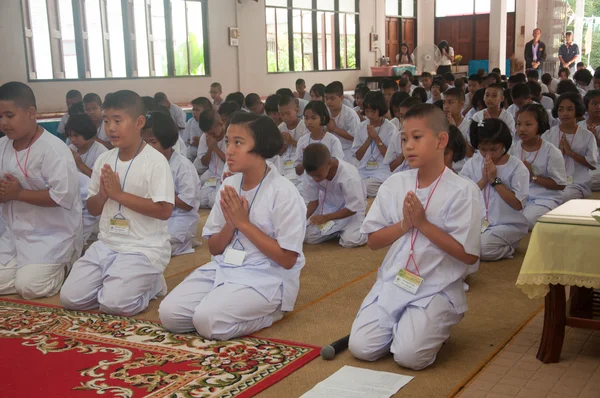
x: 402, y: 182
x: 52, y: 144
x: 348, y: 171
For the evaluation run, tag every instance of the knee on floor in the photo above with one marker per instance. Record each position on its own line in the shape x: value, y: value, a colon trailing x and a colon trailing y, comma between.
x: 116, y: 305
x: 212, y: 325
x: 408, y: 355
x: 360, y: 350
x: 29, y: 287
x: 167, y: 313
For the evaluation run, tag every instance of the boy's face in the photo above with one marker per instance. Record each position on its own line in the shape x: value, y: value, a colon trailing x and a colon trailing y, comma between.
x: 217, y: 130
x: 301, y: 89
x: 436, y: 91
x: 258, y: 108
x: 72, y: 101
x: 581, y: 67
x: 594, y: 107
x: 452, y: 106
x: 123, y: 131
x: 16, y: 122
x: 387, y: 94
x: 473, y: 86
x: 275, y: 116
x: 215, y: 93
x: 420, y: 145
x: 333, y: 102
x: 196, y: 111
x: 596, y: 84
x: 151, y: 140
x: 94, y: 111
x: 493, y: 97
x: 562, y: 76
x: 426, y: 83
x: 288, y: 113
x: 521, y: 102
x: 321, y: 173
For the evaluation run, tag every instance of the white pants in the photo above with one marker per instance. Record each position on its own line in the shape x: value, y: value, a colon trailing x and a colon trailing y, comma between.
x: 595, y: 179
x: 572, y: 192
x: 532, y: 212
x: 415, y: 340
x: 117, y: 283
x: 199, y: 166
x: 217, y: 313
x: 178, y: 247
x: 372, y: 187
x: 347, y: 231
x: 2, y: 224
x: 494, y: 248
x: 33, y: 280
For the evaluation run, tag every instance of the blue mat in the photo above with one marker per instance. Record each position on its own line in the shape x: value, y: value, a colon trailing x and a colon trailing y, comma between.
x: 484, y: 64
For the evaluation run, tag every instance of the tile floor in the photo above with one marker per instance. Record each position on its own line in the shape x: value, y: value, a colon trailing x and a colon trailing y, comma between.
x: 515, y: 371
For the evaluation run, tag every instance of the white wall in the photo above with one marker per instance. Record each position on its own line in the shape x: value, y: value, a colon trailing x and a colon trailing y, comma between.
x: 243, y: 68
x: 526, y: 21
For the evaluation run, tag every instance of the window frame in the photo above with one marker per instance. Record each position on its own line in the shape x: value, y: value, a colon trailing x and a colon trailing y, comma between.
x: 315, y: 42
x: 82, y: 48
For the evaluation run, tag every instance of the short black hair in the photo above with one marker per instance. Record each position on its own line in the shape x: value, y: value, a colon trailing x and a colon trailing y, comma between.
x: 520, y: 91
x: 163, y: 127
x: 81, y: 124
x: 579, y: 64
x: 434, y: 117
x: 493, y: 131
x: 207, y: 119
x: 284, y: 92
x: 376, y: 101
x: 336, y: 88
x: 517, y: 78
x: 76, y: 108
x: 285, y: 100
x: 216, y: 85
x: 163, y: 109
x: 532, y: 74
x: 73, y: 94
x: 403, y: 82
x: 315, y: 156
x: 439, y: 103
x: 410, y: 103
x: 546, y: 78
x: 476, y: 78
x: 127, y: 100
x: 540, y: 114
x: 226, y: 109
x: 496, y: 86
x: 268, y: 141
x: 478, y: 98
x: 508, y: 101
x: 397, y: 98
x: 456, y: 143
x: 236, y: 97
x: 496, y: 76
x: 92, y: 97
x: 584, y: 76
x: 565, y: 70
x: 300, y: 81
x: 362, y: 90
x: 575, y: 98
x: 272, y: 103
x: 251, y: 100
x: 438, y: 82
x: 597, y: 73
x: 588, y: 97
x: 566, y: 86
x: 426, y: 75
x: 150, y: 103
x: 535, y: 88
x: 389, y: 83
x: 420, y: 93
x: 160, y: 97
x: 19, y: 93
x: 449, y: 77
x: 318, y: 89
x: 497, y: 70
x: 456, y: 93
x: 202, y: 101
x: 460, y: 83
x: 319, y: 108
x: 481, y: 72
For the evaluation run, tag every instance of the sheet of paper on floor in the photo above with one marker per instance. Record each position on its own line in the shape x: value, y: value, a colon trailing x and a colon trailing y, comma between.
x: 352, y: 382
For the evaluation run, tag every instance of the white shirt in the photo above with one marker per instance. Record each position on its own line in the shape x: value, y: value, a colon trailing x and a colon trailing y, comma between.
x: 513, y: 109
x: 149, y: 177
x: 547, y: 162
x: 454, y: 208
x: 289, y: 157
x: 544, y: 88
x: 187, y: 189
x: 394, y: 151
x: 467, y: 103
x: 329, y: 140
x: 101, y: 132
x: 396, y: 123
x: 216, y: 164
x: 89, y: 158
x: 178, y: 116
x: 547, y: 103
x: 504, y: 116
x: 36, y: 234
x: 583, y: 143
x: 180, y: 147
x: 63, y: 124
x: 345, y: 190
x: 192, y: 130
x: 471, y: 113
x: 465, y: 129
x: 505, y: 222
x: 301, y: 105
x: 445, y: 61
x: 306, y: 96
x: 553, y: 85
x: 347, y: 120
x: 277, y: 210
x: 386, y: 133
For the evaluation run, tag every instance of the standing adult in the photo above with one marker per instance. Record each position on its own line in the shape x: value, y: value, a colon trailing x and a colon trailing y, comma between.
x: 447, y: 58
x: 568, y: 53
x: 535, y: 53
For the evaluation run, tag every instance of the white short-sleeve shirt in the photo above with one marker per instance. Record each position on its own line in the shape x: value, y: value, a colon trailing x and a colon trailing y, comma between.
x: 347, y: 120
x: 216, y: 164
x: 89, y: 158
x: 394, y: 151
x: 187, y: 189
x: 289, y: 157
x: 178, y: 116
x: 329, y: 140
x: 505, y: 116
x: 192, y: 130
x: 386, y: 132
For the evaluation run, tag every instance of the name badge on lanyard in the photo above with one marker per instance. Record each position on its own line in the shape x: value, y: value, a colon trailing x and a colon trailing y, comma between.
x: 408, y: 281
x: 288, y: 164
x: 326, y: 227
x: 234, y: 257
x: 211, y: 182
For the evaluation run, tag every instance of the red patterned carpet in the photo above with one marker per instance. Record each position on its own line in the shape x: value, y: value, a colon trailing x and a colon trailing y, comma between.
x: 50, y: 352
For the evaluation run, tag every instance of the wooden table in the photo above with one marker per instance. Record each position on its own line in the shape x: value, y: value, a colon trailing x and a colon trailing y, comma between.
x: 564, y: 251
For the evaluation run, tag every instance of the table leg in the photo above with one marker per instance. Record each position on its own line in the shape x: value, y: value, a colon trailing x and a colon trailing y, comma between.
x: 555, y: 320
x: 582, y: 302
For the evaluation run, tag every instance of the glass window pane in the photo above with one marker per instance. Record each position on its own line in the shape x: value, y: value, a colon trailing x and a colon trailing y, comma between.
x: 195, y: 38
x: 141, y: 37
x: 482, y: 6
x: 408, y: 8
x: 347, y: 5
x: 455, y: 7
x: 283, y: 60
x: 391, y: 7
x: 271, y: 40
x: 115, y: 31
x: 510, y: 5
x: 298, y: 43
x: 159, y: 38
x: 180, y: 48
x: 95, y: 38
x: 278, y: 3
x: 343, y: 41
x: 351, y: 41
x: 326, y: 40
x: 67, y: 30
x: 326, y: 5
x: 302, y: 4
x: 41, y: 39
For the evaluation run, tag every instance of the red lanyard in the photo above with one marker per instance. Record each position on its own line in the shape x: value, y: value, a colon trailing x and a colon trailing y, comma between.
x: 535, y: 157
x: 414, y: 233
x: 324, y: 197
x: 24, y: 170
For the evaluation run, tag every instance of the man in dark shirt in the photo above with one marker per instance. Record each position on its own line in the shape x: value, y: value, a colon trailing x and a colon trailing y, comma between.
x: 535, y: 52
x: 568, y: 53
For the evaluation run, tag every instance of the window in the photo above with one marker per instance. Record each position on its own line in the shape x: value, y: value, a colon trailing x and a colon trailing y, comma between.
x: 90, y: 39
x: 312, y: 35
x: 467, y: 7
x: 401, y: 8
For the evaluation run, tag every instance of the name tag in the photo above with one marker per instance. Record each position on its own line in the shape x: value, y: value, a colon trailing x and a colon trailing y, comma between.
x: 485, y: 224
x: 569, y: 180
x: 211, y: 182
x: 119, y: 226
x: 234, y: 257
x: 372, y: 165
x: 326, y: 227
x: 408, y: 281
x: 288, y: 164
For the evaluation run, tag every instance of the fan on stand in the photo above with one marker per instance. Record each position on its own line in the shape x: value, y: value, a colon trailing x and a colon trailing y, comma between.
x: 427, y: 58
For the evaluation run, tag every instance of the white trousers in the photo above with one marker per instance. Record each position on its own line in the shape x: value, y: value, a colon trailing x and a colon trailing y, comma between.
x: 372, y: 187
x: 532, y: 212
x: 217, y: 313
x: 117, y: 283
x: 595, y: 178
x: 178, y: 247
x: 415, y: 340
x: 348, y: 231
x: 572, y: 192
x: 33, y: 280
x: 494, y: 248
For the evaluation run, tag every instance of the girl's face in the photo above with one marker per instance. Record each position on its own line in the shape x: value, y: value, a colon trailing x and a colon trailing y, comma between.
x: 594, y: 107
x: 240, y: 142
x: 315, y: 97
x: 404, y: 50
x: 495, y: 150
x: 372, y: 115
x: 566, y: 111
x: 399, y: 114
x: 312, y: 120
x: 562, y: 76
x: 359, y: 100
x: 151, y: 140
x: 77, y: 139
x: 436, y: 91
x: 527, y: 126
